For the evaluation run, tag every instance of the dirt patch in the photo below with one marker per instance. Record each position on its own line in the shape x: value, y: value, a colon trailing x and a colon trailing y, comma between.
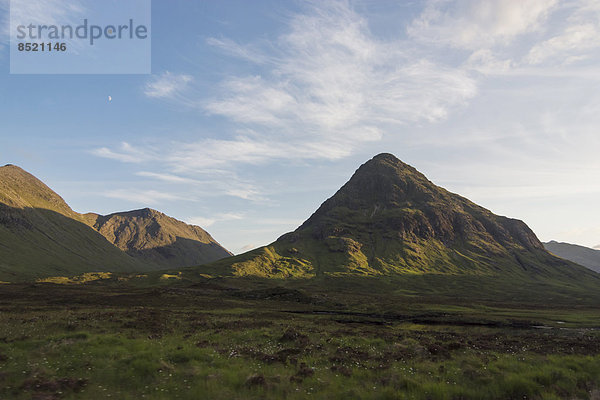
x: 44, y: 388
x: 303, y: 372
x: 292, y: 335
x: 256, y: 380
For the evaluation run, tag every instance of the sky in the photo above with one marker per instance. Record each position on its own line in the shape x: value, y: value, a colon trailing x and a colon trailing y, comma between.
x: 256, y: 112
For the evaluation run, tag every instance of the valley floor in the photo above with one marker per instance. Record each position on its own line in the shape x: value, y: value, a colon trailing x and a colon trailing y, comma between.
x: 222, y: 340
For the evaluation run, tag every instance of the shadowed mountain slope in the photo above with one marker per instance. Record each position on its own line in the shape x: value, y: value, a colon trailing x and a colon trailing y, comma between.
x: 578, y: 254
x: 390, y: 219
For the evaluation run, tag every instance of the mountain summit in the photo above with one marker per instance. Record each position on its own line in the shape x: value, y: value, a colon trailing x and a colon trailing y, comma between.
x: 390, y: 219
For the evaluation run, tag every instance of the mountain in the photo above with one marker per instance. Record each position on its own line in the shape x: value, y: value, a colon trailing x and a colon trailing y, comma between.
x: 156, y: 238
x: 597, y: 247
x: 389, y: 219
x: 578, y: 254
x: 41, y: 236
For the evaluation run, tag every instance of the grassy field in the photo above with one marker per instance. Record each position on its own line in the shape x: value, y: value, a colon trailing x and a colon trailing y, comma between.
x: 244, y: 339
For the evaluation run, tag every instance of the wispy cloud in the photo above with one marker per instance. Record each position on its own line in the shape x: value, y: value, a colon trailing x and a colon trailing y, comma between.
x: 576, y: 41
x: 49, y: 12
x: 141, y: 197
x: 206, y: 222
x: 205, y: 180
x: 125, y: 153
x: 248, y: 52
x: 171, y: 178
x: 476, y: 24
x: 44, y: 12
x: 512, y: 36
x: 168, y: 86
x: 37, y: 12
x: 328, y: 86
x: 331, y: 82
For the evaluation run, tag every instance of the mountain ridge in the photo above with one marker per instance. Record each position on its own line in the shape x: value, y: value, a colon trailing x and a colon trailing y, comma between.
x: 581, y: 255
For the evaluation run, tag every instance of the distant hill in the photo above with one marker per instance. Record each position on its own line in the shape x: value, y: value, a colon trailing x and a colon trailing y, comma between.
x: 597, y: 247
x: 154, y: 237
x: 578, y: 254
x: 41, y: 236
x: 389, y: 219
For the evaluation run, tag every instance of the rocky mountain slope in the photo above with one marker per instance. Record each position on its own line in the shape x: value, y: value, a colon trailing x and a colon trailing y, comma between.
x: 154, y: 237
x: 390, y: 219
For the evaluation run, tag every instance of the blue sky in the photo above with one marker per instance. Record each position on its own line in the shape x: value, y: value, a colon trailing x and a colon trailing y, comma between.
x: 256, y: 112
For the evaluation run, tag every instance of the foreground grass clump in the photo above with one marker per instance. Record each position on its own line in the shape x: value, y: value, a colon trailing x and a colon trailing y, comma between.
x: 98, y: 342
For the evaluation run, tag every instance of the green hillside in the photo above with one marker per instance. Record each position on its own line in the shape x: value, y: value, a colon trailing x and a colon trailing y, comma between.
x: 41, y: 236
x: 389, y: 219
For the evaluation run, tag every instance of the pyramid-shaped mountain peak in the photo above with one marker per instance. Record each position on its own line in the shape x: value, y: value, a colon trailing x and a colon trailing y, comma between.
x: 382, y: 183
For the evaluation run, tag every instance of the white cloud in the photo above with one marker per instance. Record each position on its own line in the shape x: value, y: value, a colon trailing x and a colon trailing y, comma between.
x: 206, y: 222
x: 249, y: 247
x: 201, y: 221
x: 168, y: 86
x: 39, y: 12
x: 574, y: 38
x: 486, y: 62
x: 126, y: 153
x: 210, y: 153
x: 141, y: 197
x: 48, y: 12
x: 43, y: 12
x: 205, y: 180
x: 171, y: 178
x: 577, y: 40
x: 232, y: 48
x: 328, y: 86
x: 330, y: 77
x: 476, y: 24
